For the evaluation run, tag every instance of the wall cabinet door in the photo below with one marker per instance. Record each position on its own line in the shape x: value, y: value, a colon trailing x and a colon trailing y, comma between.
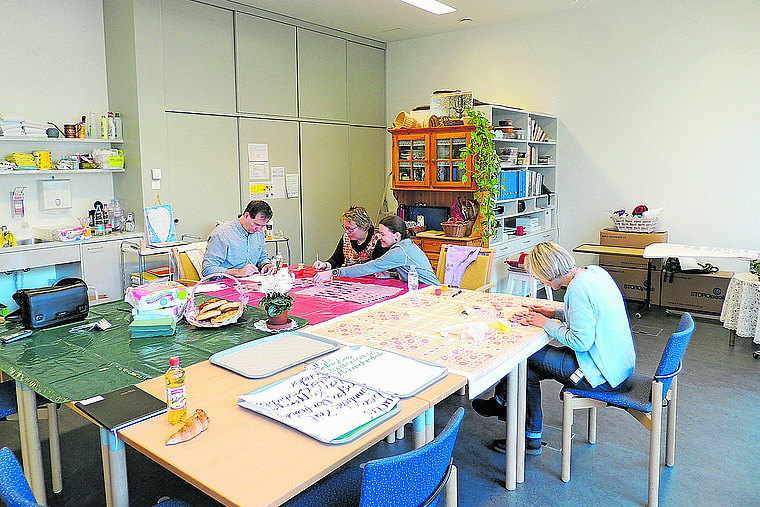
x: 366, y: 85
x: 199, y: 61
x: 324, y: 180
x: 101, y: 268
x: 266, y: 66
x: 321, y: 76
x: 367, y: 167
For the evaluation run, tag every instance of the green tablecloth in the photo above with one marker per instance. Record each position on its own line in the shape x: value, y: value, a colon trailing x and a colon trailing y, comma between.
x: 64, y: 366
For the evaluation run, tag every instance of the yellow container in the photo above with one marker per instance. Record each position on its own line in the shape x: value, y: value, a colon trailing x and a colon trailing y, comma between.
x: 43, y: 159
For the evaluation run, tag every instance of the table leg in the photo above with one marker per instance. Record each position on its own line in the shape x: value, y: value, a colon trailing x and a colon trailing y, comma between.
x: 400, y: 433
x: 522, y: 381
x: 732, y: 337
x: 429, y: 425
x: 511, y: 466
x: 55, y: 448
x: 418, y: 431
x: 117, y: 473
x: 450, y: 490
x: 27, y: 410
x: 106, y: 466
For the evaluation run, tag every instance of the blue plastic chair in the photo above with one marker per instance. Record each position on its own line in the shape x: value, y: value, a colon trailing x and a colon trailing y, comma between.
x: 9, y: 408
x: 636, y: 396
x: 15, y: 491
x: 413, y: 479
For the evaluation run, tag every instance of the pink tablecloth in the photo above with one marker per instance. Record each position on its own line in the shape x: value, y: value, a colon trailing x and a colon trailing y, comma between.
x: 317, y: 309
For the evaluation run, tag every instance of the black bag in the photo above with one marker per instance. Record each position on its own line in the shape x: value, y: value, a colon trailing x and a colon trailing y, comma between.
x: 64, y: 302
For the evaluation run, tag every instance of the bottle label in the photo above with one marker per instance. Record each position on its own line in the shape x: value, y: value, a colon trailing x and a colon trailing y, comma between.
x: 175, y: 397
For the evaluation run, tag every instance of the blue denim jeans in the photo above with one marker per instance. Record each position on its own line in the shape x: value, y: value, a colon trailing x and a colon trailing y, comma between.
x: 556, y: 363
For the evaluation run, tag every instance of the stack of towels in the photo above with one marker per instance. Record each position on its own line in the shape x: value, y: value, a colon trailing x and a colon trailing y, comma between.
x: 16, y: 125
x: 22, y: 160
x: 158, y: 322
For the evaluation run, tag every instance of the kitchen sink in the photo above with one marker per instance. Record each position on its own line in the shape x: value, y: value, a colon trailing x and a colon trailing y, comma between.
x: 32, y: 241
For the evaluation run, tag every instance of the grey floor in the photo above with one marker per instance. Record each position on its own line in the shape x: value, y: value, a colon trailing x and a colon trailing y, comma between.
x: 718, y: 442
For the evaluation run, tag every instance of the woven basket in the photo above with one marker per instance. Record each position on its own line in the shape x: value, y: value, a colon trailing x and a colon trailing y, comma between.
x: 635, y: 224
x: 457, y: 231
x: 405, y: 120
x: 191, y: 311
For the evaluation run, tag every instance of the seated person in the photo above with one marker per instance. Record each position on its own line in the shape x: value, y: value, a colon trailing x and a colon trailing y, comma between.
x: 237, y: 247
x: 597, y: 352
x: 401, y: 255
x: 359, y: 244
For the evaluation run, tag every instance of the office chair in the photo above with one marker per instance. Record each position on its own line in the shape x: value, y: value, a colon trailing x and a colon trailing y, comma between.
x: 641, y: 396
x: 15, y: 491
x: 477, y: 276
x: 416, y: 478
x: 46, y: 410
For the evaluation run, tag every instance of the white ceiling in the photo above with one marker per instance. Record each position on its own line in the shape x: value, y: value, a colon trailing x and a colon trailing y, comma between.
x: 393, y: 20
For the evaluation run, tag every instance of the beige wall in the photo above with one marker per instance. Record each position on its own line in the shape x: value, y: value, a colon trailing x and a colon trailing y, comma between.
x: 657, y: 103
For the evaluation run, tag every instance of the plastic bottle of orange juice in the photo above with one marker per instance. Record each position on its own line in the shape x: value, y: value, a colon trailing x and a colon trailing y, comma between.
x: 176, y: 400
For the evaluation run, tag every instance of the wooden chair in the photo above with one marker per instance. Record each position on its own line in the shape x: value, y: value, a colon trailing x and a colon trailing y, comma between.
x: 643, y: 397
x: 185, y: 270
x: 477, y: 276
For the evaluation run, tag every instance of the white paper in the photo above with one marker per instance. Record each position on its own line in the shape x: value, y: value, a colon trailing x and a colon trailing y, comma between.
x: 258, y: 170
x: 278, y: 183
x: 258, y: 152
x: 662, y: 250
x: 387, y: 372
x: 318, y: 405
x: 261, y: 191
x: 291, y: 183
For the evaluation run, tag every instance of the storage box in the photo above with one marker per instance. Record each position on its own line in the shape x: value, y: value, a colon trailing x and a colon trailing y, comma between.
x: 700, y: 293
x: 153, y: 296
x: 612, y: 237
x: 624, y: 261
x: 633, y: 283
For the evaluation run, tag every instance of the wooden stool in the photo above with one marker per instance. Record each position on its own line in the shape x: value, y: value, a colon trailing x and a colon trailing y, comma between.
x: 533, y: 284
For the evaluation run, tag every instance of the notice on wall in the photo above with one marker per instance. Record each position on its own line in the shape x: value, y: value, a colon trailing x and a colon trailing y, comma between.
x: 258, y: 170
x: 260, y: 191
x: 258, y: 152
x: 291, y: 184
x: 278, y: 183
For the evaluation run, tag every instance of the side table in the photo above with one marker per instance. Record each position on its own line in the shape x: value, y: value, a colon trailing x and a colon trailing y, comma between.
x: 741, y: 307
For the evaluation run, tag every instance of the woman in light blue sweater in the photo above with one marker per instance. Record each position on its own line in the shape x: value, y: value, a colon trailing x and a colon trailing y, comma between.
x: 597, y: 351
x: 401, y: 256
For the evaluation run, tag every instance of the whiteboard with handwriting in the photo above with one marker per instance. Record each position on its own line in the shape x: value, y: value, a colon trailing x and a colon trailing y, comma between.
x: 321, y: 406
x: 385, y: 371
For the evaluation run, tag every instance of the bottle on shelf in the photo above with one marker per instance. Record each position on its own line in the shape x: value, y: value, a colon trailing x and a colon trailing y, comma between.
x: 118, y: 133
x: 129, y: 223
x: 413, y: 283
x: 91, y: 126
x: 99, y: 221
x: 116, y: 215
x: 111, y: 126
x: 82, y: 128
x: 103, y: 127
x: 176, y: 393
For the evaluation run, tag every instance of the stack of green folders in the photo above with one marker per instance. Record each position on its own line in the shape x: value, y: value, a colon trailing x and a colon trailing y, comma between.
x: 144, y: 328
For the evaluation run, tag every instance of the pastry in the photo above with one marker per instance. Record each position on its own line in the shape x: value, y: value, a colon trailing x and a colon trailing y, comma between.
x: 207, y: 314
x: 193, y: 427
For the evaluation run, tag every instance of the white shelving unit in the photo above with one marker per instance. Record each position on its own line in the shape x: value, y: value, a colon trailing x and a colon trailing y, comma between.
x: 542, y: 206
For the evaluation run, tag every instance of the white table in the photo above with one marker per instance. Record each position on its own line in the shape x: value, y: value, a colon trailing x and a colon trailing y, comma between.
x: 740, y: 313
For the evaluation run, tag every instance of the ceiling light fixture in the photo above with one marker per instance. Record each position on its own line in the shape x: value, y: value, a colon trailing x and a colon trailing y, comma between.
x: 466, y: 20
x: 433, y: 6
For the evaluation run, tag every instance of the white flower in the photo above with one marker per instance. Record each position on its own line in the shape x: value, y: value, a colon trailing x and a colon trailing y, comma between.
x: 280, y: 282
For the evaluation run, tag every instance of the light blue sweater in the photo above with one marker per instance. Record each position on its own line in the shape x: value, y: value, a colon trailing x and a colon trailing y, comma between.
x: 596, y: 327
x: 231, y: 246
x: 401, y: 256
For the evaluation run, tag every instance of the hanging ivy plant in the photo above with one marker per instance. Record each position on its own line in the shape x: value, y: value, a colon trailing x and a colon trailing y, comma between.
x: 485, y: 172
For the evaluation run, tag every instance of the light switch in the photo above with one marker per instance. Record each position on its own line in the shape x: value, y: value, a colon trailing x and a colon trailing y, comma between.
x: 155, y: 184
x: 156, y: 174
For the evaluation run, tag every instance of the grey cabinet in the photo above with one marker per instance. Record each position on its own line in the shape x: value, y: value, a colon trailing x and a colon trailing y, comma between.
x: 266, y: 66
x: 367, y: 167
x: 366, y: 85
x: 101, y: 270
x: 321, y: 76
x: 198, y: 53
x: 325, y: 184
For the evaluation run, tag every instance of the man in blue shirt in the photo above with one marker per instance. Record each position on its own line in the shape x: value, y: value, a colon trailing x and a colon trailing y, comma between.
x: 237, y: 247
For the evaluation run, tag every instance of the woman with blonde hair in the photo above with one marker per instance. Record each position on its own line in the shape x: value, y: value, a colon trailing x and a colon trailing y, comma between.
x: 360, y: 242
x: 597, y: 346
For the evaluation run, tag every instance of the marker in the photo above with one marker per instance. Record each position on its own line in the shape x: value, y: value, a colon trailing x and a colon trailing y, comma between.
x: 456, y: 293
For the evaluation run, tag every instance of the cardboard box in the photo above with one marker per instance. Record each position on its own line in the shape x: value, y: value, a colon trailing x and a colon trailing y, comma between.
x: 613, y: 237
x: 633, y: 283
x: 699, y: 293
x: 623, y: 261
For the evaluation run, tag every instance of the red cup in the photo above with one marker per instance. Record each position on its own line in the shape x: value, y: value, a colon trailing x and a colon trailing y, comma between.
x: 520, y: 230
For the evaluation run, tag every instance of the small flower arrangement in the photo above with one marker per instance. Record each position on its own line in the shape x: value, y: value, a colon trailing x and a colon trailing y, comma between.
x: 754, y: 267
x: 277, y: 299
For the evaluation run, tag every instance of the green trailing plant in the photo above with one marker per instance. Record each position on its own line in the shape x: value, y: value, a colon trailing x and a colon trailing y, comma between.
x: 754, y: 267
x: 485, y: 172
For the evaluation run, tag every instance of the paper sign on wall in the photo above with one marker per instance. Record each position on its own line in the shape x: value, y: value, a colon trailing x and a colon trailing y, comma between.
x: 278, y: 182
x: 258, y: 170
x: 291, y: 184
x: 258, y: 152
x: 260, y: 191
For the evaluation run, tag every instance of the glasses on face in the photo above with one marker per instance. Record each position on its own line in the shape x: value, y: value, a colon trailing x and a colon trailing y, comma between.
x: 350, y: 229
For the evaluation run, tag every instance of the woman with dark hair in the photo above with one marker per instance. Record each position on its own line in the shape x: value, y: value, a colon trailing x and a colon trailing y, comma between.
x: 402, y: 254
x: 359, y: 244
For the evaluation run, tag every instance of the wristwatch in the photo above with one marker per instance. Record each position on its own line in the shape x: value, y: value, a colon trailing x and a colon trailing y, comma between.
x: 335, y: 273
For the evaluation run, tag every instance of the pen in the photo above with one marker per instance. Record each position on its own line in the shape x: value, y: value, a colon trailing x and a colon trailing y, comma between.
x: 456, y: 293
x: 16, y: 336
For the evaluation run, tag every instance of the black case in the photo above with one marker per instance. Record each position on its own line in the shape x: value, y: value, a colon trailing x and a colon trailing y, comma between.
x: 434, y: 215
x: 64, y: 302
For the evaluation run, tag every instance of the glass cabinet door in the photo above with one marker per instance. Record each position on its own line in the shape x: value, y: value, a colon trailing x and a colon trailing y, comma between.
x: 411, y: 161
x: 449, y: 163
